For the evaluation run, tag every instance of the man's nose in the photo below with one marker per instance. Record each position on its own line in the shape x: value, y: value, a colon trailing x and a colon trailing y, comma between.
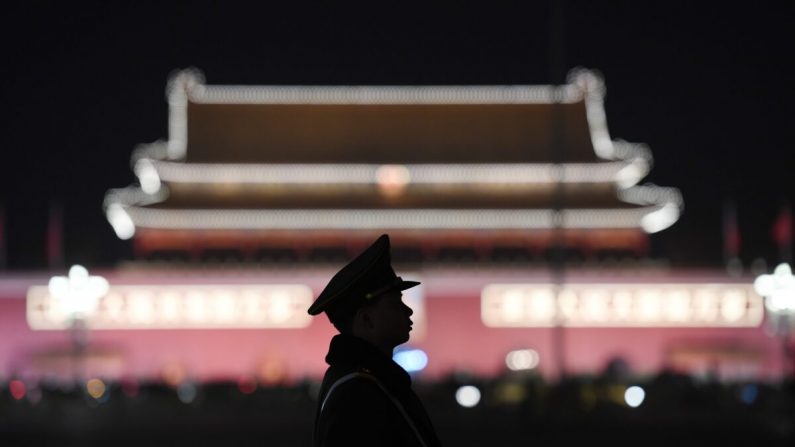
x: 408, y: 309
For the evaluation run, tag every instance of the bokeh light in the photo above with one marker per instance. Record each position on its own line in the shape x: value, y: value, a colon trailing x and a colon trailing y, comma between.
x: 187, y: 392
x: 18, y: 389
x: 246, y: 384
x: 467, y: 396
x: 412, y: 360
x: 96, y: 388
x: 521, y: 360
x: 634, y: 396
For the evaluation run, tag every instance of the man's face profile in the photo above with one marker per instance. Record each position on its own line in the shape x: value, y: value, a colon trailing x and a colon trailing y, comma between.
x: 388, y: 319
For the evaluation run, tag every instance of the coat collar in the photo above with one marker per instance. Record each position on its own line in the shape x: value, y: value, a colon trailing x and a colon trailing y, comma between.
x: 350, y: 351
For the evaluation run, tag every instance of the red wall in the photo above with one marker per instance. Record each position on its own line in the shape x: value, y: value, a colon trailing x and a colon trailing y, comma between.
x: 455, y: 339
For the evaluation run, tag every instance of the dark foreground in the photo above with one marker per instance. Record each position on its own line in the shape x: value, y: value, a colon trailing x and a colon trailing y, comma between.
x: 514, y: 410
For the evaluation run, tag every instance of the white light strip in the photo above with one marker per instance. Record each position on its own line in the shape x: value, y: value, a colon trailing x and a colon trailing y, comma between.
x: 497, y: 173
x: 621, y: 305
x: 134, y: 195
x: 597, y: 122
x: 177, y: 91
x: 366, y: 219
x: 669, y: 199
x: 366, y: 95
x: 584, y: 85
x: 148, y: 176
x: 120, y: 220
x: 631, y: 173
x: 660, y: 219
x: 189, y: 85
x: 115, y: 204
x: 593, y: 88
x: 594, y: 91
x: 651, y: 194
x: 182, y: 307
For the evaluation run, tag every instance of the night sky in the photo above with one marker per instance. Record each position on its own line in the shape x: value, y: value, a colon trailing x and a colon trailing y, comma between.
x: 708, y: 87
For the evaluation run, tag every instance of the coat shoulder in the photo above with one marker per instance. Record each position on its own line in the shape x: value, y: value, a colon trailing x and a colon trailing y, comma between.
x: 358, y: 393
x: 359, y: 413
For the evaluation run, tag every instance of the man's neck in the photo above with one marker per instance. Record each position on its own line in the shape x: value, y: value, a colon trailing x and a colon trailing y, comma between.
x: 386, y: 348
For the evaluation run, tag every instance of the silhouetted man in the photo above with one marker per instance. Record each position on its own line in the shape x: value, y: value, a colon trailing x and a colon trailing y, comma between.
x: 366, y: 398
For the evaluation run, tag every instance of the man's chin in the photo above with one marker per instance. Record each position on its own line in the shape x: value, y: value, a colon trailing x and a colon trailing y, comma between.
x: 403, y: 339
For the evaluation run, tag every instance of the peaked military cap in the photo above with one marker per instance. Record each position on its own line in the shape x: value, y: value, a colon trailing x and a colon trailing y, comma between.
x: 365, y: 277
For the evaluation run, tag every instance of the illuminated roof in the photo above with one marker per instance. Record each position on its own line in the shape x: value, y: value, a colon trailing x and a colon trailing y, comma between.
x: 360, y: 124
x: 314, y: 158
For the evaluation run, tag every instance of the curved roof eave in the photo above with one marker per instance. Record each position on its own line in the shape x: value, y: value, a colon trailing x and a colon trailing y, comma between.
x: 668, y: 200
x: 582, y: 85
x: 189, y: 85
x: 126, y: 215
x: 495, y: 173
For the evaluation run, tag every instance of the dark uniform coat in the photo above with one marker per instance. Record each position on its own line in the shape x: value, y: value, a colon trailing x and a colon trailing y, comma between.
x: 361, y: 411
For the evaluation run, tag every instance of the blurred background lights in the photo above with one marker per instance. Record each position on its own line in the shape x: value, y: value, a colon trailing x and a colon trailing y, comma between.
x: 622, y: 305
x: 247, y: 384
x: 467, y: 396
x: 17, y: 388
x: 186, y: 392
x: 79, y: 293
x: 661, y: 219
x: 521, y: 360
x: 34, y: 394
x: 129, y: 387
x: 96, y: 388
x: 778, y: 289
x: 392, y: 180
x: 749, y: 393
x: 147, y: 175
x: 272, y: 372
x: 121, y: 222
x: 634, y: 396
x: 173, y: 373
x: 412, y: 360
x: 511, y: 392
x: 631, y: 174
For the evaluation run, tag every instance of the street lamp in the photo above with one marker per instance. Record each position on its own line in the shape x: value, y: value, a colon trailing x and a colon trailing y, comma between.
x: 779, y: 292
x: 78, y: 296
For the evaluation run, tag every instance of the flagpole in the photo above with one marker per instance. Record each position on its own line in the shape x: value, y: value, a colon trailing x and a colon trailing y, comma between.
x: 731, y: 239
x: 3, y: 250
x: 55, y: 237
x: 558, y: 149
x: 782, y: 232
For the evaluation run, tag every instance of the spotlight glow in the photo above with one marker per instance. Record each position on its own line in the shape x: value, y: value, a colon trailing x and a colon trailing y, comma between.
x: 147, y: 176
x: 96, y: 388
x: 778, y: 289
x: 121, y: 222
x: 749, y: 393
x: 521, y: 360
x: 467, y: 396
x: 634, y: 396
x: 661, y: 219
x: 247, y: 385
x: 78, y: 294
x: 412, y: 360
x: 186, y: 392
x: 18, y: 389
